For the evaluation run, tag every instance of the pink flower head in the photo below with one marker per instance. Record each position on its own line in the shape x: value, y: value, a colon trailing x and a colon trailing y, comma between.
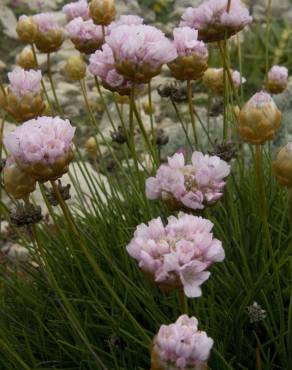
x: 42, y: 140
x: 102, y: 65
x: 260, y: 100
x: 194, y: 186
x: 77, y: 9
x: 212, y: 19
x: 278, y: 74
x: 186, y: 42
x: 84, y: 30
x: 24, y: 82
x: 126, y: 20
x: 178, y: 254
x: 140, y: 51
x: 237, y: 79
x: 181, y: 345
x: 45, y: 22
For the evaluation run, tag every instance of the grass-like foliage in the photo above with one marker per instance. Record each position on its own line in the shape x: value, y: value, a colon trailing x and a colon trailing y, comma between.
x: 81, y: 302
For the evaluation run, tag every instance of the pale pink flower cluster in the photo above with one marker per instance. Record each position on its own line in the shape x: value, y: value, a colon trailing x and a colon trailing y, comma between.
x: 185, y: 40
x: 260, y: 100
x: 141, y: 45
x: 84, y: 30
x: 178, y: 254
x: 237, y: 78
x: 214, y: 14
x: 194, y: 186
x: 102, y: 65
x: 77, y: 9
x: 129, y: 20
x: 45, y: 22
x: 181, y: 345
x: 278, y: 74
x: 24, y: 82
x: 41, y: 140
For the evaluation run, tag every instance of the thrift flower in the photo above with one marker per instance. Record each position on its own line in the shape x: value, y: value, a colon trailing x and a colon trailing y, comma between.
x: 126, y: 20
x: 192, y: 60
x: 50, y: 36
x: 102, y: 65
x: 85, y: 35
x: 140, y: 51
x: 77, y: 9
x: 181, y: 346
x: 277, y: 79
x: 194, y: 186
x: 42, y: 147
x: 259, y: 119
x: 214, y: 20
x: 24, y: 94
x: 177, y: 255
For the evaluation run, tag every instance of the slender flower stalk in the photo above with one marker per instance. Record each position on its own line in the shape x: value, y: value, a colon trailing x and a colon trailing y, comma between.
x: 42, y: 80
x: 191, y: 110
x: 104, y: 102
x: 52, y: 83
x: 268, y: 31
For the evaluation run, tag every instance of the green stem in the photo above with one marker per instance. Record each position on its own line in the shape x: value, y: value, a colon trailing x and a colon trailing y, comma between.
x: 52, y: 83
x: 42, y: 81
x: 182, y: 301
x: 85, y: 97
x: 103, y: 102
x: 1, y: 147
x: 2, y: 88
x: 268, y: 20
x: 191, y: 110
x: 182, y: 124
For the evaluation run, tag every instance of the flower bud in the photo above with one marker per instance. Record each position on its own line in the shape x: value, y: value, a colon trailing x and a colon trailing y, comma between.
x: 25, y: 59
x: 148, y: 109
x: 17, y: 182
x: 26, y: 29
x: 91, y: 147
x: 103, y: 12
x: 277, y: 80
x: 259, y: 119
x: 282, y: 166
x: 75, y: 68
x: 213, y: 79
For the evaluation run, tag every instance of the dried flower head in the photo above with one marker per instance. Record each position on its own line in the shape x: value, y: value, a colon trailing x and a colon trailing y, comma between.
x: 177, y: 255
x: 64, y: 192
x: 119, y: 136
x: 193, y: 186
x: 214, y: 20
x: 226, y: 150
x: 181, y: 346
x: 25, y: 214
x: 256, y: 313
